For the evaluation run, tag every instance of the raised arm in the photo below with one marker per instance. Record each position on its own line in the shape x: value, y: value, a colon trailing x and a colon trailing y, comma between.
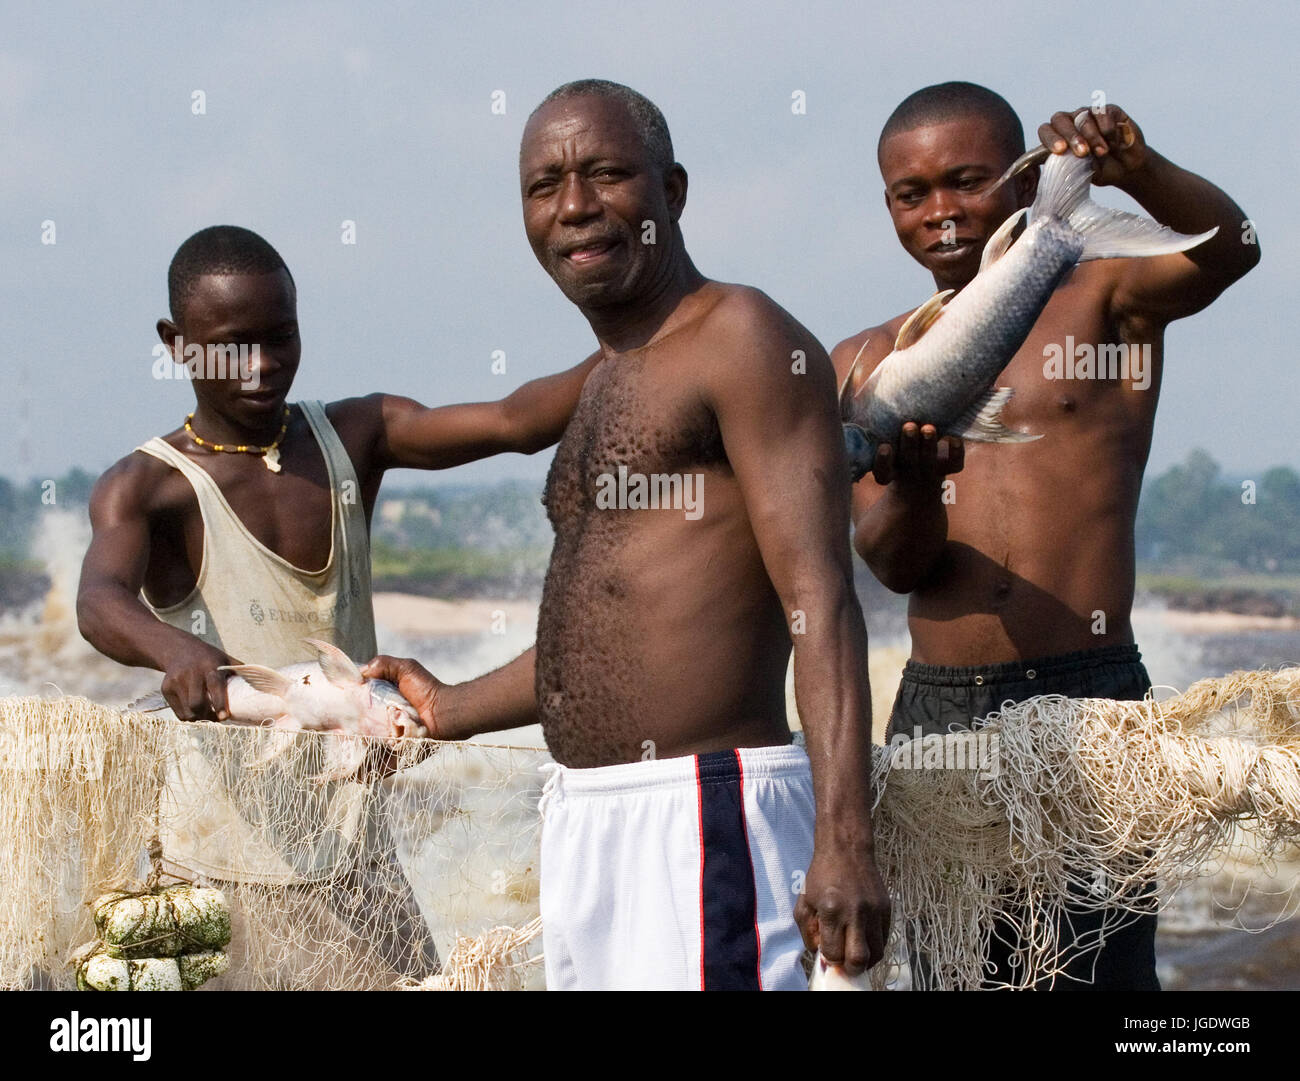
x: 110, y: 614
x: 412, y: 436
x: 900, y: 524
x: 1170, y: 286
x: 782, y: 438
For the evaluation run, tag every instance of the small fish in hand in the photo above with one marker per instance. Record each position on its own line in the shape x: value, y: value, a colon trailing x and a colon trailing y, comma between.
x: 829, y: 977
x: 325, y: 695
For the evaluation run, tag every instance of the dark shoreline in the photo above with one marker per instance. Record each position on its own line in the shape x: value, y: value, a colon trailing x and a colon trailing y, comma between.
x: 1234, y: 600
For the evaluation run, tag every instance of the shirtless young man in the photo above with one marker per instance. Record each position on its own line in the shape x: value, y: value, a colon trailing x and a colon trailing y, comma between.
x: 1022, y: 581
x: 204, y: 557
x: 680, y: 823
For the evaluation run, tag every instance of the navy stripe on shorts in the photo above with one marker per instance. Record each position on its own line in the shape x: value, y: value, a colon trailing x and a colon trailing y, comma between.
x: 730, y: 952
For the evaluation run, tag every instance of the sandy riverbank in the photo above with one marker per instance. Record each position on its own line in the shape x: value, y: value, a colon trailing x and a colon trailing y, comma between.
x: 1215, y: 622
x: 405, y: 613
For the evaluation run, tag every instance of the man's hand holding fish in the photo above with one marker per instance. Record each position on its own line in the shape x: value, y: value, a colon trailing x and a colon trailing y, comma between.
x: 921, y: 461
x: 193, y: 682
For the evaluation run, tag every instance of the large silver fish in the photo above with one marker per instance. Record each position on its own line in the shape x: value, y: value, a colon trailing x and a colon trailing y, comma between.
x: 328, y: 694
x: 948, y: 355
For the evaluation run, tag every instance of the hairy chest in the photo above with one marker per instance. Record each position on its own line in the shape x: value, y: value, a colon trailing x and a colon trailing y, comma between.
x: 637, y: 419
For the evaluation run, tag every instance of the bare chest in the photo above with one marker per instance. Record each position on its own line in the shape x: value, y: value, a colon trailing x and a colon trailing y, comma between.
x: 290, y: 513
x: 1078, y: 368
x: 637, y: 419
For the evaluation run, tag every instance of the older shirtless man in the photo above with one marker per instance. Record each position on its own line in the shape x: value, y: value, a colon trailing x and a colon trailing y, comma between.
x: 1021, y: 573
x: 700, y: 505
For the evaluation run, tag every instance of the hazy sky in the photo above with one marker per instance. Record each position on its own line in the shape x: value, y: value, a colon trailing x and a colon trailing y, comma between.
x: 321, y: 113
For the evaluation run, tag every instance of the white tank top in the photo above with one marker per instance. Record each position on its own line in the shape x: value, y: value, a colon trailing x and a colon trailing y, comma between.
x: 259, y: 607
x: 256, y: 605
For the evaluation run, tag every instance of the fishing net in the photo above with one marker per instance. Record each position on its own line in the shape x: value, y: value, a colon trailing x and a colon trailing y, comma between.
x: 338, y: 884
x: 1084, y: 805
x: 422, y: 871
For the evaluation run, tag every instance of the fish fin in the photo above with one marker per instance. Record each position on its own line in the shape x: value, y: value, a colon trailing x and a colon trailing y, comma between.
x: 1000, y: 241
x: 845, y: 396
x: 1106, y: 233
x: 338, y: 667
x: 982, y: 422
x: 260, y: 678
x: 828, y: 977
x: 921, y: 320
x: 1029, y: 158
x: 278, y: 740
x: 150, y: 703
x: 344, y: 756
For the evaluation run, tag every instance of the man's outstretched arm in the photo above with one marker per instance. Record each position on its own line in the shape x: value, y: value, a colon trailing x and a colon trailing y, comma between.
x: 783, y: 440
x: 1166, y: 287
x: 408, y: 435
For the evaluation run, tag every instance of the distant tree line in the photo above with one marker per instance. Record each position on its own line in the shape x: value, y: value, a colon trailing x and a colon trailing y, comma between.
x: 1191, y: 519
x: 1194, y: 520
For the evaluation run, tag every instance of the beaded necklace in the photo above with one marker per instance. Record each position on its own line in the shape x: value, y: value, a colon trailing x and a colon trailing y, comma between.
x: 270, y: 454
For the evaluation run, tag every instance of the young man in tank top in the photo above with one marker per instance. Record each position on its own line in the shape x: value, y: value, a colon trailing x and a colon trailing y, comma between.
x: 245, y: 529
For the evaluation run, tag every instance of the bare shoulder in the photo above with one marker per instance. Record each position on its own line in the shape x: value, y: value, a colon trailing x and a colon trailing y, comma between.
x: 754, y: 346
x: 359, y: 424
x: 747, y: 317
x: 356, y: 418
x: 138, y: 484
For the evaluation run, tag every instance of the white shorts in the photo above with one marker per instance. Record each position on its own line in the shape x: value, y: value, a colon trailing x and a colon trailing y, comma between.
x: 677, y: 874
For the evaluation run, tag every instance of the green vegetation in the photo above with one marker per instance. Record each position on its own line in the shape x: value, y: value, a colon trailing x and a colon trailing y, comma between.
x: 1192, y: 522
x: 457, y: 572
x: 1205, y: 542
x: 1201, y: 537
x: 461, y: 541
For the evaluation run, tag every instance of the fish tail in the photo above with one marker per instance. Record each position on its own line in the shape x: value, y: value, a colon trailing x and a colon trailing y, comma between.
x: 150, y: 703
x: 1063, y: 192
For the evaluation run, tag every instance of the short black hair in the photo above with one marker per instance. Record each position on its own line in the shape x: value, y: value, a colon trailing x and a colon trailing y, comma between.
x: 218, y: 249
x: 946, y: 102
x: 650, y: 124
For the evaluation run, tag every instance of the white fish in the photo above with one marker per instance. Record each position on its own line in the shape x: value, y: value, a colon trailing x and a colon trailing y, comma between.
x: 328, y: 694
x: 828, y: 977
x: 947, y: 356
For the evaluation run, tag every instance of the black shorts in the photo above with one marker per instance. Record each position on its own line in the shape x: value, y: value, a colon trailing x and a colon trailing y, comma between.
x: 937, y: 700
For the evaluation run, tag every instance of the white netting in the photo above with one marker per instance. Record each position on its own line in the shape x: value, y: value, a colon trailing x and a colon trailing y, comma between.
x: 1082, y: 804
x: 340, y: 884
x: 426, y: 874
